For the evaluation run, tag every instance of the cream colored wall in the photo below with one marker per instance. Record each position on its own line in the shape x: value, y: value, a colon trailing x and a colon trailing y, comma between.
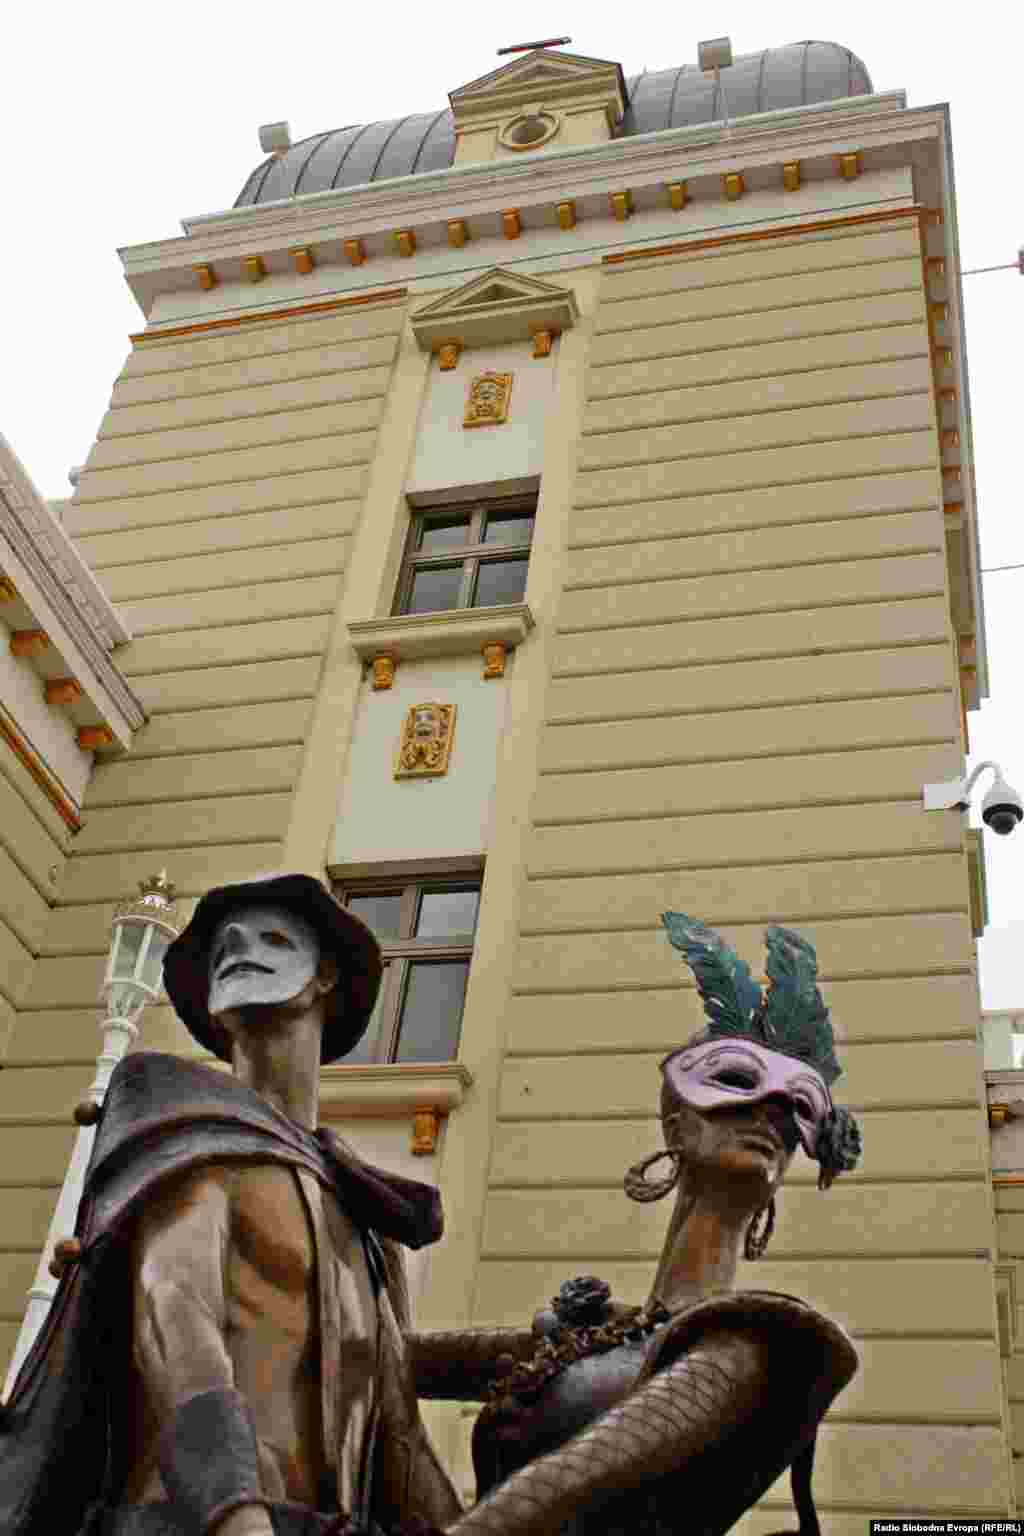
x: 483, y: 455
x: 1010, y: 1225
x: 382, y: 817
x: 217, y: 509
x: 387, y: 1144
x: 34, y: 841
x: 752, y: 677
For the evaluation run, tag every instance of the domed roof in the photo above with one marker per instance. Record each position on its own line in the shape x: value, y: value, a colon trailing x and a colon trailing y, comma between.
x: 799, y: 75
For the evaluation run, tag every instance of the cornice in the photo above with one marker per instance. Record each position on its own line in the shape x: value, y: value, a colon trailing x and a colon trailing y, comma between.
x: 63, y: 596
x: 457, y: 631
x: 550, y: 175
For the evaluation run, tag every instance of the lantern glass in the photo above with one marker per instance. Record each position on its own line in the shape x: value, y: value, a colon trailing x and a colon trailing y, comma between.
x: 153, y: 961
x: 126, y: 950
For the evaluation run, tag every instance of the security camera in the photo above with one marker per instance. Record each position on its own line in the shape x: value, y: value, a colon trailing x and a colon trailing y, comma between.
x: 1002, y: 808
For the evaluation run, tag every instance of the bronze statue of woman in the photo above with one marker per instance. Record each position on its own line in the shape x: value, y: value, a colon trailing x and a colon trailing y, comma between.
x: 680, y: 1414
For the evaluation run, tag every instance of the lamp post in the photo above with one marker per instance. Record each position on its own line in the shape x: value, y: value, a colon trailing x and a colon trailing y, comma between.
x: 142, y: 930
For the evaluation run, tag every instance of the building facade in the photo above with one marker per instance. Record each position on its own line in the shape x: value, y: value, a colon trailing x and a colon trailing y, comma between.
x: 530, y: 517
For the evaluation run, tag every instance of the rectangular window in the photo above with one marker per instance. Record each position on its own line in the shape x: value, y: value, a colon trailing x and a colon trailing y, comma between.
x: 425, y: 927
x: 472, y: 557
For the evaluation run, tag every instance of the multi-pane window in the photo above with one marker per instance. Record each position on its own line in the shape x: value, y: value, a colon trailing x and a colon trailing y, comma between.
x: 467, y: 557
x: 425, y: 928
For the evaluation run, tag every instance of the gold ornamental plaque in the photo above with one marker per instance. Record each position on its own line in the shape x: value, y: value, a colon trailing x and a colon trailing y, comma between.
x: 426, y: 742
x: 487, y: 404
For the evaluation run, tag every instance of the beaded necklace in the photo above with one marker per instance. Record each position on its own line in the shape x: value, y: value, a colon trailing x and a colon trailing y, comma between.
x: 581, y: 1309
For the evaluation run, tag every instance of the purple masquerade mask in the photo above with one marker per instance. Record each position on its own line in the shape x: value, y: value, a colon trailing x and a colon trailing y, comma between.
x: 717, y: 1074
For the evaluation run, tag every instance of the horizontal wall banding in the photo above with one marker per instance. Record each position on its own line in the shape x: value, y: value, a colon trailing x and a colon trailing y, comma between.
x: 718, y: 302
x: 295, y: 425
x: 706, y: 515
x: 904, y: 1220
x: 268, y: 682
x: 758, y: 469
x: 838, y: 318
x: 808, y: 253
x: 903, y: 1144
x: 728, y: 735
x: 869, y: 1296
x: 16, y: 963
x: 641, y: 693
x: 112, y: 877
x: 267, y: 494
x: 918, y: 1075
x: 184, y: 824
x: 270, y: 337
x: 911, y: 412
x: 244, y: 771
x: 240, y: 604
x: 871, y: 776
x: 107, y: 552
x: 701, y: 642
x: 224, y: 730
x: 690, y: 552
x: 248, y: 398
x: 238, y: 643
x: 702, y: 840
x: 663, y: 1015
x: 31, y: 847
x: 800, y: 887
x: 808, y: 587
x: 850, y: 948
x: 24, y: 906
x: 781, y: 359
x: 325, y: 450
x: 749, y: 397
x: 206, y: 573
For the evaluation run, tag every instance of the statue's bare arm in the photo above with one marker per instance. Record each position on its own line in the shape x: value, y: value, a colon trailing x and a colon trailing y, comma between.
x: 180, y: 1251
x: 460, y: 1364
x: 661, y: 1428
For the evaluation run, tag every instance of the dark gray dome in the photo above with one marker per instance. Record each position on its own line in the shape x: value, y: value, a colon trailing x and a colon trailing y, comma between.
x: 796, y: 76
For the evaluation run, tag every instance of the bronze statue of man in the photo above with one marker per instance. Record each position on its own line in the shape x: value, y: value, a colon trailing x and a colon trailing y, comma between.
x: 227, y: 1356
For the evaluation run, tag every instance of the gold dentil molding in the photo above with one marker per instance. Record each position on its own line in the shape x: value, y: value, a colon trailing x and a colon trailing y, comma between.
x: 791, y: 175
x: 302, y: 259
x: 678, y: 197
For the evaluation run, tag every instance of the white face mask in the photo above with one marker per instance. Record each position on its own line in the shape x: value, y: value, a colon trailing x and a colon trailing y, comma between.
x: 260, y: 956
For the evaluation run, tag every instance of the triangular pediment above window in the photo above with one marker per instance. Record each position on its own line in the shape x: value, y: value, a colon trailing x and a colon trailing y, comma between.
x: 494, y: 307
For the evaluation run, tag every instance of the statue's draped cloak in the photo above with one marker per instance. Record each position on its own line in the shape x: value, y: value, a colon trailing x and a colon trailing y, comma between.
x: 63, y: 1439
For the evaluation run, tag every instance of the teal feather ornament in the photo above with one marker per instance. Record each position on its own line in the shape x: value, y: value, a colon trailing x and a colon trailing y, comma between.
x: 794, y: 1018
x: 731, y: 996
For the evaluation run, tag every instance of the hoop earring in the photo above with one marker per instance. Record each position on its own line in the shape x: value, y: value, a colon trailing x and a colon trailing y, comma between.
x: 756, y: 1242
x: 639, y: 1187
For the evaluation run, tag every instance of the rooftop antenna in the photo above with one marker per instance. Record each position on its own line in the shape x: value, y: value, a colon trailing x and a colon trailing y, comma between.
x: 547, y: 42
x: 712, y: 57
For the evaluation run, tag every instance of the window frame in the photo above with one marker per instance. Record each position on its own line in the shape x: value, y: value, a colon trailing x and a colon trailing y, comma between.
x: 399, y: 954
x: 470, y: 555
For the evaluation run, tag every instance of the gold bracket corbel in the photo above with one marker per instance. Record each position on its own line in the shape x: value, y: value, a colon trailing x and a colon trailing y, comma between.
x: 426, y: 1123
x: 383, y: 668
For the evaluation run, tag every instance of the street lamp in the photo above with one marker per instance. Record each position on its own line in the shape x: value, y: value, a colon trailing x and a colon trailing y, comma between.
x: 142, y: 930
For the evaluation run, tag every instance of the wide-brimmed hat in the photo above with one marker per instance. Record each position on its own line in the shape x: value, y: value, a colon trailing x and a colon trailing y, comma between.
x: 347, y: 1008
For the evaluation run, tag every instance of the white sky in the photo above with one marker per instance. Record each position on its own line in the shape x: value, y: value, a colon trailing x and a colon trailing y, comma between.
x: 118, y: 120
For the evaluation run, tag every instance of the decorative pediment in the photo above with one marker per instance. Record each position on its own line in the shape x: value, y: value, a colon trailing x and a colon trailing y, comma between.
x: 544, y: 76
x: 496, y: 306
